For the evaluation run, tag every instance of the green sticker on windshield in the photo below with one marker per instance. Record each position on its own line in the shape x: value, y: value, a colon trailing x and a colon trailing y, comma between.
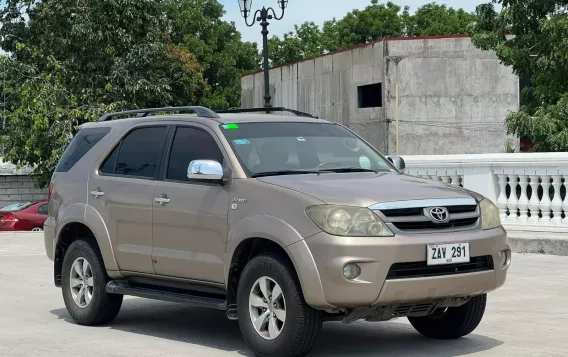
x: 230, y: 126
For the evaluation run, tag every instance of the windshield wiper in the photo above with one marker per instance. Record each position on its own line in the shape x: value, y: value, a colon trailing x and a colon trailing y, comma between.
x: 350, y: 169
x: 285, y: 172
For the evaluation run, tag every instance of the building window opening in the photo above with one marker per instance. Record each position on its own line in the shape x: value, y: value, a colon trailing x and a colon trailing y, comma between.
x: 370, y: 96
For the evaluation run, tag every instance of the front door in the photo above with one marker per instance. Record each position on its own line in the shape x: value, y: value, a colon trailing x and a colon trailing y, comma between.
x: 190, y: 218
x: 122, y: 191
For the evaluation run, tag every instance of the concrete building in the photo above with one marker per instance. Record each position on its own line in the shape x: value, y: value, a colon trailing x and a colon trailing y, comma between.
x: 453, y: 98
x: 16, y: 185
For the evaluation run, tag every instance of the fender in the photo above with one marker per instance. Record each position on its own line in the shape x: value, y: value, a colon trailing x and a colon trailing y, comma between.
x: 84, y: 214
x: 285, y: 235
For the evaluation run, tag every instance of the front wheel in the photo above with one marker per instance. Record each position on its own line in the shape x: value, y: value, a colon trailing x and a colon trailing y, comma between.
x: 83, y: 282
x: 453, y: 322
x: 273, y: 316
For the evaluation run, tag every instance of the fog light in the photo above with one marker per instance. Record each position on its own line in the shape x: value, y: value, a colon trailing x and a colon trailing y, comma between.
x: 505, y: 257
x: 351, y: 271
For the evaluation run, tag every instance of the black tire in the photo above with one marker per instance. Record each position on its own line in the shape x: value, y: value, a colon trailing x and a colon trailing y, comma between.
x: 104, y: 307
x: 303, y: 323
x: 454, y: 323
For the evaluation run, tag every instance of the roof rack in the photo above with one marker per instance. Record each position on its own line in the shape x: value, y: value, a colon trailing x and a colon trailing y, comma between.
x: 267, y: 110
x: 140, y: 113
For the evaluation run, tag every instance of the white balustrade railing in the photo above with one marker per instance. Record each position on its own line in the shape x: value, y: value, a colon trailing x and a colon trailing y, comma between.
x: 528, y: 188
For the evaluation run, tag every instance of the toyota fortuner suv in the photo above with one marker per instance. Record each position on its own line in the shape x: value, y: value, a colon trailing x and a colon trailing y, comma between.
x: 283, y: 222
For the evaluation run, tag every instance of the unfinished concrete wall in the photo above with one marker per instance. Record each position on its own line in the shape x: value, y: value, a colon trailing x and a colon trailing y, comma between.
x: 453, y: 97
x: 327, y: 87
x: 16, y: 185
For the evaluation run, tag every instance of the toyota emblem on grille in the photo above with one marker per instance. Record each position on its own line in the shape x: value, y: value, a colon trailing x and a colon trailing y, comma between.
x: 439, y: 214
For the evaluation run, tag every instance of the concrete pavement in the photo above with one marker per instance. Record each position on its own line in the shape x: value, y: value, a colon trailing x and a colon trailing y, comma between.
x: 528, y: 317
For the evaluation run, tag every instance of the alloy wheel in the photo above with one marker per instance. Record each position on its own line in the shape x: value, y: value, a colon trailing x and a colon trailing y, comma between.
x: 267, y: 308
x: 81, y: 282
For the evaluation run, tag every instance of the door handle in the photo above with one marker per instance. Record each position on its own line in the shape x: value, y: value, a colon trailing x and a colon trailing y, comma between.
x: 163, y: 200
x: 97, y: 193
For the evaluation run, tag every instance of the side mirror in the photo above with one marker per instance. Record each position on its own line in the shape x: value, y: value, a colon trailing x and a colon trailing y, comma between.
x: 398, y: 162
x: 205, y: 170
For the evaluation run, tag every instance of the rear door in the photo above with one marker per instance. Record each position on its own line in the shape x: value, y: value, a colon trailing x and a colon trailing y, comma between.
x: 121, y: 190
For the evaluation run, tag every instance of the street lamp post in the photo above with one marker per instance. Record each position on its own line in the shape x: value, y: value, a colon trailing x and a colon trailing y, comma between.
x: 263, y: 15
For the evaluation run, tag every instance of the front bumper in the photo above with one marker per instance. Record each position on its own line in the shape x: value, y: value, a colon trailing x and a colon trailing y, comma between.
x: 321, y: 259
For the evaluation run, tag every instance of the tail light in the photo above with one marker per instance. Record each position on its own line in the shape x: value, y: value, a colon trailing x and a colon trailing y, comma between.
x: 10, y: 218
x: 50, y: 191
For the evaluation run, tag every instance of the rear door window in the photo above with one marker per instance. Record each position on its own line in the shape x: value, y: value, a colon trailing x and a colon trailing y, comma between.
x: 84, y: 141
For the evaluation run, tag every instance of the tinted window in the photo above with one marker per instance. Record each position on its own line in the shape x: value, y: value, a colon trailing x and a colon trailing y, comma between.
x: 108, y: 165
x: 139, y: 152
x: 81, y: 144
x: 190, y: 144
x: 42, y: 209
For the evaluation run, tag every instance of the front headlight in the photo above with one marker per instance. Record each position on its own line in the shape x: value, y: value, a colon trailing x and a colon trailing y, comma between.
x: 489, y: 214
x: 348, y: 221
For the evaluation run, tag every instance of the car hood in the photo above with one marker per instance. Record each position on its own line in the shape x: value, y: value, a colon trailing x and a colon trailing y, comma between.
x: 365, y: 189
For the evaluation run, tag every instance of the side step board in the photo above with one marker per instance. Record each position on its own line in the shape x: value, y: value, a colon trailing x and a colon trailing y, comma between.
x: 125, y: 288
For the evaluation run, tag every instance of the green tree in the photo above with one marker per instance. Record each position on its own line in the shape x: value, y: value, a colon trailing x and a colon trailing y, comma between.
x: 434, y: 19
x: 70, y: 61
x: 304, y: 42
x: 375, y: 22
x: 531, y: 37
x: 197, y: 26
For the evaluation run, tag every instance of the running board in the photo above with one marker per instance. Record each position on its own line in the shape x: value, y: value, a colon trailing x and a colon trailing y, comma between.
x: 150, y: 292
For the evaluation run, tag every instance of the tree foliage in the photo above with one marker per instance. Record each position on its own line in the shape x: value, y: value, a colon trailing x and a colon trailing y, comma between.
x: 531, y: 36
x: 376, y: 21
x: 70, y: 61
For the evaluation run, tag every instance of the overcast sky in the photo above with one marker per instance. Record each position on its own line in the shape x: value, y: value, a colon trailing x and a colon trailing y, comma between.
x: 300, y: 11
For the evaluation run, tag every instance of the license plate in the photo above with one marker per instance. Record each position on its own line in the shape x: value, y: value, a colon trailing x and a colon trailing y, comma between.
x: 440, y: 254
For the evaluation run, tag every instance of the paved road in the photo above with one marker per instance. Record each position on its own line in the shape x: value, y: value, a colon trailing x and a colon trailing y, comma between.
x: 528, y: 317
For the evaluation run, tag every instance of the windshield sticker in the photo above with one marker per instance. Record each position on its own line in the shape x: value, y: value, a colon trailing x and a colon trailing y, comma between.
x: 299, y: 138
x: 230, y: 126
x: 241, y: 142
x: 364, y: 162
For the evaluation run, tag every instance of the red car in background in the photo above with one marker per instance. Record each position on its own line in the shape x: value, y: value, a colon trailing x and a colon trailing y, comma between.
x: 23, y: 216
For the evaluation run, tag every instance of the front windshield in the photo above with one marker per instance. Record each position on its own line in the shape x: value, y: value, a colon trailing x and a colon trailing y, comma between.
x: 275, y: 148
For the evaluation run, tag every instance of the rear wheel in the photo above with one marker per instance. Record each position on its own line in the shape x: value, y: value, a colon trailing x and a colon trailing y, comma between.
x: 273, y: 316
x: 453, y: 322
x: 83, y: 282
x: 37, y: 229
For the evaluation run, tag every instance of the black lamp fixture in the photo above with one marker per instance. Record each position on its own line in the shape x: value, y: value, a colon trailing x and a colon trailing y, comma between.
x: 262, y: 16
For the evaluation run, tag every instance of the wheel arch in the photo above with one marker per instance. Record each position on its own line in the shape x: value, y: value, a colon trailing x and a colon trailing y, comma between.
x: 258, y: 234
x: 246, y: 251
x: 81, y: 221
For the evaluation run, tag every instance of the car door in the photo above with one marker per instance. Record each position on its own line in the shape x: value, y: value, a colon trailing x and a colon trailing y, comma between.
x: 122, y: 191
x: 190, y: 231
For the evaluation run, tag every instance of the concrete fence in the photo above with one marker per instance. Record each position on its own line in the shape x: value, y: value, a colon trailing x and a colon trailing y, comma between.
x: 16, y: 185
x: 528, y: 188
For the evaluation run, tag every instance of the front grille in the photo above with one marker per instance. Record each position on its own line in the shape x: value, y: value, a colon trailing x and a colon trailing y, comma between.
x: 422, y: 270
x: 414, y: 309
x: 414, y: 219
x: 418, y: 211
x: 419, y: 225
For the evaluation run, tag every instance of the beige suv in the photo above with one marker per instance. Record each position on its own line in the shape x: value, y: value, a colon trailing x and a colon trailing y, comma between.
x: 284, y: 222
